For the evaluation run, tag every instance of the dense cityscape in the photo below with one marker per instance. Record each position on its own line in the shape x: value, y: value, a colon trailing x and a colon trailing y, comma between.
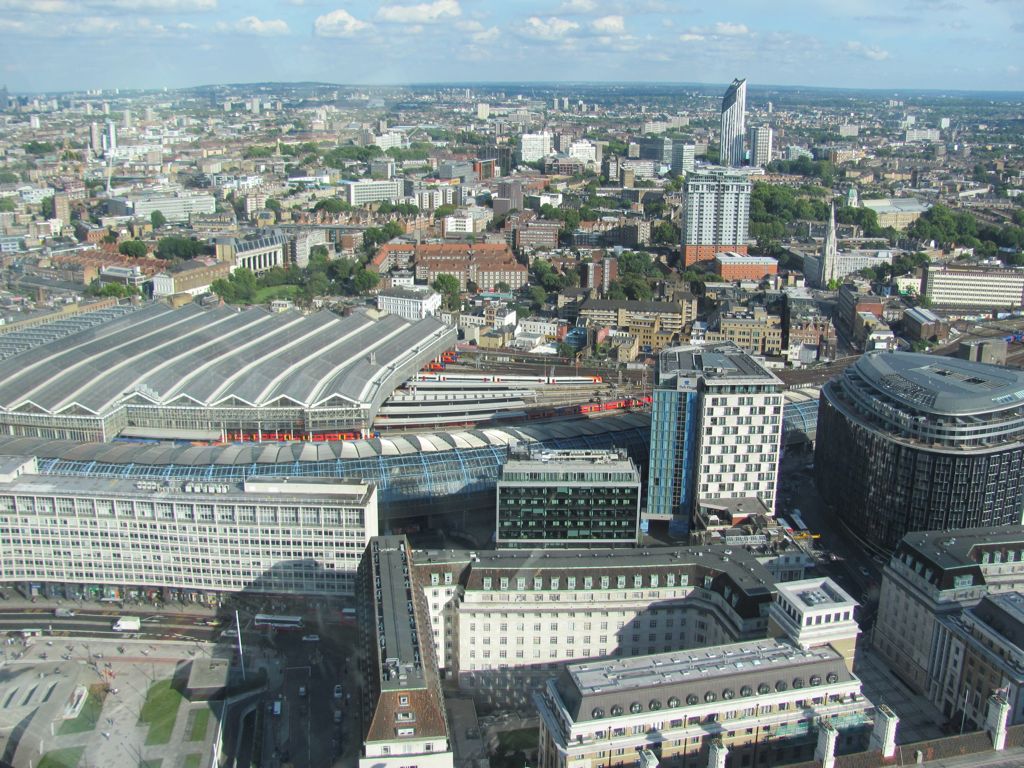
x: 552, y: 424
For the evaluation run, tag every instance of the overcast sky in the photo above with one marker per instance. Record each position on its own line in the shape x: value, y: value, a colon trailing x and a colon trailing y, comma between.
x: 942, y: 44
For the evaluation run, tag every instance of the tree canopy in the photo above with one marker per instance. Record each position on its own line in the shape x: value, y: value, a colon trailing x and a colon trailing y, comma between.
x: 134, y: 248
x: 176, y: 247
x: 157, y: 219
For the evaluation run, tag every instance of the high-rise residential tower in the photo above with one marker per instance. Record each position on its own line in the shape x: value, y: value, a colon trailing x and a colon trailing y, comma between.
x: 716, y: 213
x: 760, y: 145
x: 716, y: 425
x: 734, y: 107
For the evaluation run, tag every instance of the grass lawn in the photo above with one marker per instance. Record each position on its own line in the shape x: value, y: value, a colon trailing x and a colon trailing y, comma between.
x: 198, y: 720
x: 152, y: 762
x: 88, y: 716
x: 192, y: 761
x: 160, y: 711
x: 62, y: 758
x: 525, y: 739
x: 263, y: 295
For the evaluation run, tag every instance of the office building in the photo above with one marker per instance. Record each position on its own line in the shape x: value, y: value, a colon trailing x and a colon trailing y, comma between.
x: 756, y: 331
x: 509, y: 619
x: 760, y: 145
x: 716, y: 425
x: 483, y: 111
x: 600, y: 273
x: 716, y: 213
x: 568, y: 499
x: 111, y: 136
x: 483, y: 264
x: 738, y: 266
x: 761, y: 701
x: 896, y: 212
x: 409, y: 303
x: 910, y: 442
x: 62, y: 208
x: 981, y: 288
x: 176, y: 207
x: 114, y: 538
x: 682, y: 157
x: 403, y: 713
x: 670, y: 317
x: 950, y: 618
x: 534, y: 146
x: 734, y: 107
x: 363, y: 191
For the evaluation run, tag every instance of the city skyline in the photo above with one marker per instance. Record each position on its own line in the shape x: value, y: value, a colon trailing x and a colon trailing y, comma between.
x: 181, y: 43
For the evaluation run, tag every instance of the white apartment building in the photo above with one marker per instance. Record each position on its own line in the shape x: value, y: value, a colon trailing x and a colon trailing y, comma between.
x: 535, y: 146
x: 297, y: 536
x: 363, y: 191
x: 974, y: 287
x: 391, y: 140
x: 583, y: 150
x: 408, y: 303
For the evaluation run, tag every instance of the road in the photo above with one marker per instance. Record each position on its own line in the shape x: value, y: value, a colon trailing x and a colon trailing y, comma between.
x: 155, y: 626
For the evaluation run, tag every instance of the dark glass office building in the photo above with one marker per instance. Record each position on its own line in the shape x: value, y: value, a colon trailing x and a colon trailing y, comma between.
x: 568, y: 499
x: 910, y: 442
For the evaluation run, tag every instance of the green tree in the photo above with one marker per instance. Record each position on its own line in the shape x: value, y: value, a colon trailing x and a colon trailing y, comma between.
x: 274, y: 205
x: 134, y: 248
x: 448, y: 286
x: 9, y: 177
x: 111, y: 290
x: 47, y: 207
x: 6, y: 204
x: 538, y: 297
x: 443, y: 210
x: 39, y: 147
x: 332, y: 205
x: 176, y: 247
x: 366, y: 280
x: 503, y: 287
x: 157, y: 219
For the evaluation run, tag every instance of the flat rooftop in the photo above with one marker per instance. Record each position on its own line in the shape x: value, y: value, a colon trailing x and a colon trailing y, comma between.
x: 713, y: 362
x: 815, y: 593
x: 960, y: 548
x: 401, y: 662
x: 941, y: 385
x: 269, y: 488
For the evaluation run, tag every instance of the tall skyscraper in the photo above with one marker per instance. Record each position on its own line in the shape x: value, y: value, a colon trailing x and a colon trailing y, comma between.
x: 716, y: 425
x: 717, y: 213
x: 95, y: 139
x: 111, y: 135
x: 760, y: 145
x: 734, y: 108
x: 830, y: 251
x: 5, y: 99
x: 682, y: 158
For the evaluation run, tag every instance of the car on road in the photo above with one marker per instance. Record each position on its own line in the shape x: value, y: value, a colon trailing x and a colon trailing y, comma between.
x: 311, y: 638
x: 338, y: 692
x: 229, y: 633
x: 337, y: 715
x: 302, y: 691
x: 865, y: 572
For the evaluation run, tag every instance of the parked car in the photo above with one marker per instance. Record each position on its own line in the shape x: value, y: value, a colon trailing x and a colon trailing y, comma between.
x: 311, y: 638
x: 338, y: 692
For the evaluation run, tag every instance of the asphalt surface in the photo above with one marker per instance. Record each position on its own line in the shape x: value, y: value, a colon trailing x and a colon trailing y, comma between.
x: 154, y: 626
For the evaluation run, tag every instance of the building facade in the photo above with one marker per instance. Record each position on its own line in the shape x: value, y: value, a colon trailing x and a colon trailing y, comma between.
x: 409, y: 304
x: 568, y: 499
x: 716, y: 215
x: 909, y: 442
x: 974, y: 287
x: 716, y: 426
x: 119, y: 538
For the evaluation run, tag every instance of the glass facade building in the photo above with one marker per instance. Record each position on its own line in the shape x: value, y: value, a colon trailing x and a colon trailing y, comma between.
x: 910, y: 442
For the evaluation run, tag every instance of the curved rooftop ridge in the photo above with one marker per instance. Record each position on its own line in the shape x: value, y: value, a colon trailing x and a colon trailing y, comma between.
x: 941, y: 385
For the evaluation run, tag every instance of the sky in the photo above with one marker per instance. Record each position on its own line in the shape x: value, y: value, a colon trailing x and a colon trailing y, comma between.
x: 60, y: 45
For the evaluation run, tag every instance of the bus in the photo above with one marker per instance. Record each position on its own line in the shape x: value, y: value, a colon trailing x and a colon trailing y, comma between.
x: 277, y: 622
x: 798, y: 521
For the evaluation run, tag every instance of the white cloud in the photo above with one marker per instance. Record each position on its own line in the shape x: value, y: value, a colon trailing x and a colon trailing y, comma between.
x: 80, y: 6
x: 728, y: 29
x: 10, y: 25
x: 478, y: 33
x: 252, y: 25
x: 423, y: 13
x: 339, y: 23
x: 691, y: 37
x: 578, y: 6
x: 872, y: 52
x: 609, y: 25
x: 551, y: 28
